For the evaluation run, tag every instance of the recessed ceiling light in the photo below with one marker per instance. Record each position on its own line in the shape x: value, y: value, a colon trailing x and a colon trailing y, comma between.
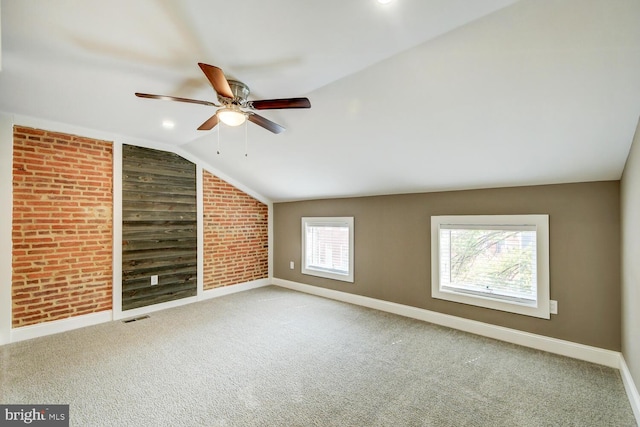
x: 384, y: 1
x: 168, y: 124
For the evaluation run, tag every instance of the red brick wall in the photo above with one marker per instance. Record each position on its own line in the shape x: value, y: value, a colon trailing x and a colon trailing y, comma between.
x: 235, y: 235
x: 62, y: 226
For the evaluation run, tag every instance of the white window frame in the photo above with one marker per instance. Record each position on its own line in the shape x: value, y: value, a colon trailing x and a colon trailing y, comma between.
x: 541, y: 225
x: 331, y: 222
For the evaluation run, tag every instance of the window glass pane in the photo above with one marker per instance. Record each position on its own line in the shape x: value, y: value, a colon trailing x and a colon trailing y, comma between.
x: 492, y: 262
x: 327, y: 248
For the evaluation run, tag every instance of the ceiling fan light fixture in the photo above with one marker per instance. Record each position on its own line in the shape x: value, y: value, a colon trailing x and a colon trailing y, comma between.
x: 231, y: 117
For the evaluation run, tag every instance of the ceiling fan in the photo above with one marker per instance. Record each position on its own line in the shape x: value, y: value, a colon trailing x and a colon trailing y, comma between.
x: 232, y: 95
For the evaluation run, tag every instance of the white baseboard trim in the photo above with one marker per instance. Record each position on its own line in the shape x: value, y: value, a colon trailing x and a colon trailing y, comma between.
x: 57, y: 326
x: 232, y: 289
x: 68, y: 324
x: 539, y: 342
x: 631, y: 389
x: 211, y: 293
x: 135, y: 312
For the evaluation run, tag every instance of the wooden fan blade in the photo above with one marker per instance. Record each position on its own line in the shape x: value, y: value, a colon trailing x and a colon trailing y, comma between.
x: 210, y: 123
x: 174, y: 98
x: 217, y: 79
x: 273, y: 104
x: 265, y: 123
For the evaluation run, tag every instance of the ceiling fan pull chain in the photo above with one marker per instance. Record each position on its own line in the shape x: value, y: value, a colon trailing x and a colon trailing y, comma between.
x: 246, y: 144
x: 218, y: 150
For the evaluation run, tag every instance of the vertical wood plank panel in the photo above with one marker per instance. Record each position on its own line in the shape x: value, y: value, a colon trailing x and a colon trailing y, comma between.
x: 159, y: 223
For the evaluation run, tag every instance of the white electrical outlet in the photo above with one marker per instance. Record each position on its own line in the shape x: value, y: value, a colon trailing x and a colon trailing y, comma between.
x: 292, y: 265
x: 553, y: 307
x: 154, y: 279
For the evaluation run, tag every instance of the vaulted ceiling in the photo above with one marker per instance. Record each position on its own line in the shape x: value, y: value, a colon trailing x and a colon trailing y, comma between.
x: 411, y: 96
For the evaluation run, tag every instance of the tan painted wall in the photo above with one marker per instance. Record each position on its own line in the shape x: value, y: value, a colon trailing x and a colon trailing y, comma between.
x: 392, y: 252
x: 630, y: 210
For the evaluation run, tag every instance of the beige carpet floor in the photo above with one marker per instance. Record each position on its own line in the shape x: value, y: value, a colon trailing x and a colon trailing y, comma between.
x: 275, y: 357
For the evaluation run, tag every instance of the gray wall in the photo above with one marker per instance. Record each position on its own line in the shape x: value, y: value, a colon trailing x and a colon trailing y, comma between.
x: 630, y: 201
x: 392, y: 252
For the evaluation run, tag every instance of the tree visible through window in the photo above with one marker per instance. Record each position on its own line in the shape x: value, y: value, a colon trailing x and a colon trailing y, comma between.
x: 489, y: 261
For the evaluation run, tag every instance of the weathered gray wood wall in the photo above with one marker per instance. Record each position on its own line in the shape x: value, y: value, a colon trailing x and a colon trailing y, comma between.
x: 158, y: 227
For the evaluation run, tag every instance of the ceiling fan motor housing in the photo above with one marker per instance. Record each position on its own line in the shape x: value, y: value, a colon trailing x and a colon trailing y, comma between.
x: 240, y: 92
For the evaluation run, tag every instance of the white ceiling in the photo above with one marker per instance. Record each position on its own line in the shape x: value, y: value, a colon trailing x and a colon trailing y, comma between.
x: 417, y: 95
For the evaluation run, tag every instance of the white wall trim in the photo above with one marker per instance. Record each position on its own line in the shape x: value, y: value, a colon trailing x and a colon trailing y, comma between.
x: 199, y: 230
x: 116, y: 225
x: 6, y: 221
x: 270, y: 235
x: 232, y: 289
x: 62, y: 325
x: 630, y: 388
x: 0, y: 43
x: 539, y: 342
